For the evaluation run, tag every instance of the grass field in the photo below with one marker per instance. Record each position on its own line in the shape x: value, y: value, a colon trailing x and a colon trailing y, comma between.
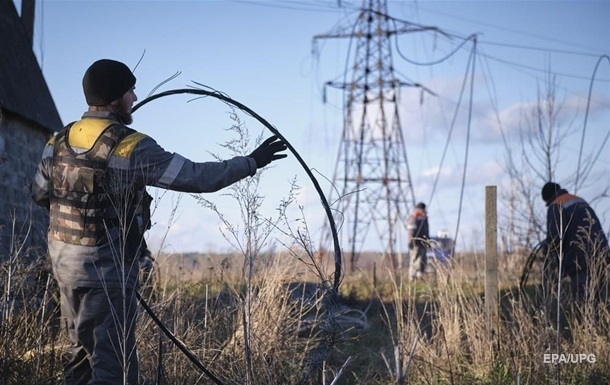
x: 285, y: 326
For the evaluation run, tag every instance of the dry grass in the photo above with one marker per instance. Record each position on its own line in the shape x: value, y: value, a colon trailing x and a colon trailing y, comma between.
x: 431, y: 333
x: 438, y: 331
x: 208, y: 316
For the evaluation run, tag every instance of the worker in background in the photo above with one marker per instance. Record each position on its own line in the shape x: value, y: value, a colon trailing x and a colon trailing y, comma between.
x: 418, y: 232
x: 575, y: 233
x: 92, y: 178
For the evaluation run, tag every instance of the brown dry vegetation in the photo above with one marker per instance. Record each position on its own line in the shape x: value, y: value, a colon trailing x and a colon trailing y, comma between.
x: 385, y: 330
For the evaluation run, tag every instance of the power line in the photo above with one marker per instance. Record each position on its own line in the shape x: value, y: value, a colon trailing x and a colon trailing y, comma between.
x: 437, y: 61
x: 539, y: 69
x: 445, y: 34
x: 495, y: 26
x: 295, y: 5
x: 501, y: 60
x: 452, y: 126
x: 584, y: 129
x: 470, y: 103
x: 321, y: 6
x: 542, y: 49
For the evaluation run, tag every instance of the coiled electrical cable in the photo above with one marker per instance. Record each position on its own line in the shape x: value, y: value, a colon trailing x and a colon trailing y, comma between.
x: 228, y: 100
x: 333, y: 228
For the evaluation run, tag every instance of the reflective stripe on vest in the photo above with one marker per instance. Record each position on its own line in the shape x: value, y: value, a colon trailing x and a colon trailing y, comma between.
x: 79, y: 196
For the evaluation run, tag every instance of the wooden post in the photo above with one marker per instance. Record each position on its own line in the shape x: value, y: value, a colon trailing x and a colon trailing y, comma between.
x: 491, y: 262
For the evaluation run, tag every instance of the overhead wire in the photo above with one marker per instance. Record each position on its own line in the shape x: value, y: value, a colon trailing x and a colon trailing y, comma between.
x: 342, y: 195
x: 297, y: 4
x: 458, y: 104
x: 596, y: 157
x: 490, y: 57
x: 494, y: 100
x: 470, y: 67
x: 541, y: 49
x: 491, y: 90
x: 300, y: 5
x: 586, y: 172
x: 439, y: 205
x: 395, y: 22
x: 432, y: 63
x: 293, y: 5
x: 584, y: 128
x: 540, y: 69
x: 465, y: 40
x: 438, y: 61
x: 459, y: 46
x: 459, y: 215
x: 504, y: 61
x: 452, y: 126
x: 495, y: 26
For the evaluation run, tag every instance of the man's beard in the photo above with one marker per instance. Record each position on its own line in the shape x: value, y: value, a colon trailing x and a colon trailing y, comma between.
x: 124, y: 114
x: 126, y: 117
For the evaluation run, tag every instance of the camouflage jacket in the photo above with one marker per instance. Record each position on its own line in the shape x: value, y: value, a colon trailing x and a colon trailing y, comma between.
x: 136, y: 162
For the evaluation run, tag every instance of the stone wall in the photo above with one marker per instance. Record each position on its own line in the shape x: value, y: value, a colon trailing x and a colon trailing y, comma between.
x: 23, y: 224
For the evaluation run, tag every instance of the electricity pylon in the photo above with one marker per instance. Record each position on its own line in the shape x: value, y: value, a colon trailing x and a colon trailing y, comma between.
x: 372, y: 172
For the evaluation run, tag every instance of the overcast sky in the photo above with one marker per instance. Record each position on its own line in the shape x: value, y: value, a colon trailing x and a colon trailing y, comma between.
x: 261, y: 53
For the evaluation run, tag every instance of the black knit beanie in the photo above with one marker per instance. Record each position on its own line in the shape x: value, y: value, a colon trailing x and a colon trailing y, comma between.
x: 106, y: 81
x: 549, y: 192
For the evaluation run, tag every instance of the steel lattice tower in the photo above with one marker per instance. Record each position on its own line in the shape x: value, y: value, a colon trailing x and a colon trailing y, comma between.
x: 372, y: 172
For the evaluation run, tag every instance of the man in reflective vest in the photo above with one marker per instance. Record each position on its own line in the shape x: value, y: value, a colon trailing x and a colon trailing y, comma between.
x: 92, y: 178
x: 417, y: 227
x: 575, y: 238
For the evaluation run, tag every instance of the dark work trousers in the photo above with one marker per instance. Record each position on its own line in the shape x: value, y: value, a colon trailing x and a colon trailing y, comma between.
x: 101, y: 326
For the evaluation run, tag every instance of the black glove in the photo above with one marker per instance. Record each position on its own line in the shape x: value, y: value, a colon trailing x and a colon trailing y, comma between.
x: 267, y: 151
